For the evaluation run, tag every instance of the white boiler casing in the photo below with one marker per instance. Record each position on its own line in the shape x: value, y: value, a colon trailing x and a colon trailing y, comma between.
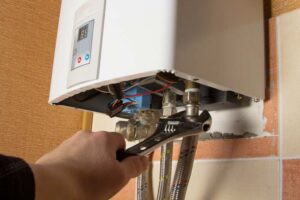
x: 216, y: 43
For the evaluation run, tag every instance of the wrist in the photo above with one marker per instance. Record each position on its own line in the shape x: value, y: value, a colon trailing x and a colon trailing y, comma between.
x: 52, y: 182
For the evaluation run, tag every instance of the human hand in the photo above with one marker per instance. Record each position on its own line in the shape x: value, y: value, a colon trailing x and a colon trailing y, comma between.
x: 85, y: 167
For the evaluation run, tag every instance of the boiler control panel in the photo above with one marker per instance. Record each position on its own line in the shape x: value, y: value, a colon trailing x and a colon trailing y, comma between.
x: 83, y: 45
x: 85, y: 51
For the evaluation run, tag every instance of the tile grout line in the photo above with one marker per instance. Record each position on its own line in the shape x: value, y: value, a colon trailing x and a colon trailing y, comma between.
x: 291, y: 158
x: 280, y: 127
x: 236, y: 159
x: 228, y: 160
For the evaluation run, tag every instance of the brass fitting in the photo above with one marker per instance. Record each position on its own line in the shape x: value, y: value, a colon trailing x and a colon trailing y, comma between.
x: 141, y: 126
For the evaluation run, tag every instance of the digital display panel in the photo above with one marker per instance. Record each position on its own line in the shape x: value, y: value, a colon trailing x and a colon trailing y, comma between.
x: 83, y: 32
x: 82, y: 49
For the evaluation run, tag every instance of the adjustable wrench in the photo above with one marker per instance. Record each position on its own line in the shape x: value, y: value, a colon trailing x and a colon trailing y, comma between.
x: 168, y: 129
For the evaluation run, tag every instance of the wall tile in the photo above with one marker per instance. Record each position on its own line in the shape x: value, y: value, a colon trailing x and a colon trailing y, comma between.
x: 234, y: 180
x: 289, y: 46
x: 102, y: 122
x: 232, y: 148
x: 127, y: 193
x: 291, y: 179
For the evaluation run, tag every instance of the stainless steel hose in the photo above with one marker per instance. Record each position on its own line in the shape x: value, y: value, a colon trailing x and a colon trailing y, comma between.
x: 165, y: 171
x: 142, y: 186
x: 144, y: 183
x: 169, y: 108
x: 188, y: 146
x: 184, y: 168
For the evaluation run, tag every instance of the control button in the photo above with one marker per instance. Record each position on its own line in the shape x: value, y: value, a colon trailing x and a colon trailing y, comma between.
x: 87, y: 57
x: 79, y: 59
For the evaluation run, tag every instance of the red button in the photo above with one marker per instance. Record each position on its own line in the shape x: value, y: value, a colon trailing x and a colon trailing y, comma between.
x: 79, y: 59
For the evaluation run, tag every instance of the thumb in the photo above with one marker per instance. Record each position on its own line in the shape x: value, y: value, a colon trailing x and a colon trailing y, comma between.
x: 134, y: 165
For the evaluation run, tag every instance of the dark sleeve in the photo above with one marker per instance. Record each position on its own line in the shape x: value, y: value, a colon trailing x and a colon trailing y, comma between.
x: 16, y: 179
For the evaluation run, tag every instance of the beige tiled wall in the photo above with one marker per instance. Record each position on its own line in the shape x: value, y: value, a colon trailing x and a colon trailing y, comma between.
x: 103, y: 122
x: 289, y: 51
x: 288, y: 34
x: 232, y: 180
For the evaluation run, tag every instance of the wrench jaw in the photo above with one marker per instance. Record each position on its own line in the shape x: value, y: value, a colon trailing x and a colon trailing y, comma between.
x: 168, y: 129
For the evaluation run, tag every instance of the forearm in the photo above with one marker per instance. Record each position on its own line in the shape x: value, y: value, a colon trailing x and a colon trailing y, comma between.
x: 82, y: 167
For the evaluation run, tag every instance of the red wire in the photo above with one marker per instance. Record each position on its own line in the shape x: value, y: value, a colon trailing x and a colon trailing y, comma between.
x: 115, y: 102
x: 151, y: 92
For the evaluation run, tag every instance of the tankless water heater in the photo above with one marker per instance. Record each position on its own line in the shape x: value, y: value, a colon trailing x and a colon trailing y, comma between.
x: 145, y: 46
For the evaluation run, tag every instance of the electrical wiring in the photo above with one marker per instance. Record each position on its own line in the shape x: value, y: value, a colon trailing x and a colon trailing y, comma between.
x: 130, y: 103
x: 150, y: 92
x: 117, y: 105
x: 138, y: 83
x: 114, y: 103
x: 103, y: 91
x: 129, y: 99
x: 117, y: 102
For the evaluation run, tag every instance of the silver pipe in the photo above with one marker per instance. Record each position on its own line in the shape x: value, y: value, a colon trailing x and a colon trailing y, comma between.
x: 188, y: 146
x: 169, y: 108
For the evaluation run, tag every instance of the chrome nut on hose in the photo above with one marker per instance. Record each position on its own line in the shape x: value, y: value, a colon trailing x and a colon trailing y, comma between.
x: 191, y: 96
x: 191, y: 99
x: 169, y: 103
